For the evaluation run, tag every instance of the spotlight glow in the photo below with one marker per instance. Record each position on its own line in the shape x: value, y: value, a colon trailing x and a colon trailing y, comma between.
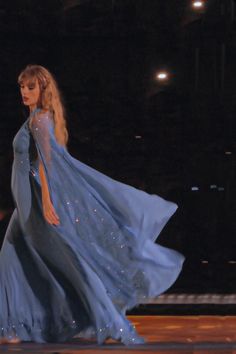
x: 198, y: 4
x: 162, y: 76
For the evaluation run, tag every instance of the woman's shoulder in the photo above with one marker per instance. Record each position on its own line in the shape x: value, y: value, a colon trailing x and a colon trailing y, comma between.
x: 41, y: 117
x: 42, y: 114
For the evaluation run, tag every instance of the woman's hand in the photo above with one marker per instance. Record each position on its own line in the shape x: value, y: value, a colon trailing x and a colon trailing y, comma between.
x: 49, y: 212
x: 48, y: 209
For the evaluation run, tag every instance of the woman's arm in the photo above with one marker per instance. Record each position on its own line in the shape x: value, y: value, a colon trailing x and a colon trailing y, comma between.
x: 48, y: 209
x: 40, y: 126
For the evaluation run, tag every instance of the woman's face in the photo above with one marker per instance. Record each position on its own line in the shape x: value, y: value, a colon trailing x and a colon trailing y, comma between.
x: 30, y: 92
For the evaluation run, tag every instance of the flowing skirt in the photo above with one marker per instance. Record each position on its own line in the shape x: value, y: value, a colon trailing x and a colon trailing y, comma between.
x: 79, y: 278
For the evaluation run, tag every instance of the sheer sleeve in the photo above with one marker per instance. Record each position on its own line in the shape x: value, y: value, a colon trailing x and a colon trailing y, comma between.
x: 41, y: 127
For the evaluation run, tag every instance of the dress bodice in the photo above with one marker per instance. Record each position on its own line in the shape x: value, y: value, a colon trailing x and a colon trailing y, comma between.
x: 21, y: 140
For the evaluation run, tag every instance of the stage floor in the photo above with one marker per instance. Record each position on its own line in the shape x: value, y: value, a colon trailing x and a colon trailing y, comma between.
x: 164, y: 335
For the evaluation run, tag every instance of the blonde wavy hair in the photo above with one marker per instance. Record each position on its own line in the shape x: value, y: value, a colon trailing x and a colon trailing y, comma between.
x: 50, y: 98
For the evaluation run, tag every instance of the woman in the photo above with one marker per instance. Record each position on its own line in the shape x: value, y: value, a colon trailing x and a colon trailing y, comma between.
x: 79, y: 249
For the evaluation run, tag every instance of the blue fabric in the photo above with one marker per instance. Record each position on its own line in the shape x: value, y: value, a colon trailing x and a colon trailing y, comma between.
x: 78, y: 278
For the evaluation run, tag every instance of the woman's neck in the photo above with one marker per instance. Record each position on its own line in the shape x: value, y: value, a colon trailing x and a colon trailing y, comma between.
x: 34, y: 110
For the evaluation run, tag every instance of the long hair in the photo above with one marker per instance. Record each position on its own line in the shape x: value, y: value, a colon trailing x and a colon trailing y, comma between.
x: 50, y: 98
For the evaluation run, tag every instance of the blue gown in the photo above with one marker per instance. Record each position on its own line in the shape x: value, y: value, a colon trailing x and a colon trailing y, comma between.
x: 78, y: 278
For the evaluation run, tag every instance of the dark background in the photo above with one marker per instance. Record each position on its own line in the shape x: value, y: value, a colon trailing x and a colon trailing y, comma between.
x: 164, y: 138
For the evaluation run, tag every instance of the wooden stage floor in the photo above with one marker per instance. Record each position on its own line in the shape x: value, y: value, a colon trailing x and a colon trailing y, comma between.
x: 164, y: 335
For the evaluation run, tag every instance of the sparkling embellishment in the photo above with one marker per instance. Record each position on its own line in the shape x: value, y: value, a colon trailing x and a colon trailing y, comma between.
x: 77, y: 219
x: 95, y: 210
x: 121, y: 329
x: 67, y: 203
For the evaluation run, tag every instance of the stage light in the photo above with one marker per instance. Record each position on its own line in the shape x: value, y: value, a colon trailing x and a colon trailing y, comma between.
x: 162, y: 76
x: 198, y: 4
x: 194, y: 189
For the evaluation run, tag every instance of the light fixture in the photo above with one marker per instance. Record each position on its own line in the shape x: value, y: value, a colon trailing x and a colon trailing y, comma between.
x: 198, y: 4
x: 162, y: 76
x: 194, y: 189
